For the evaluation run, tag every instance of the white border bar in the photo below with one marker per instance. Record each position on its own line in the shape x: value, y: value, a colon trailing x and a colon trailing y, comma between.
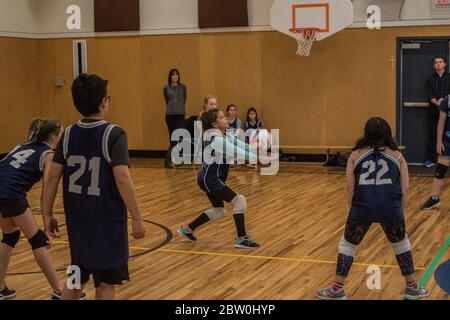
x: 69, y: 35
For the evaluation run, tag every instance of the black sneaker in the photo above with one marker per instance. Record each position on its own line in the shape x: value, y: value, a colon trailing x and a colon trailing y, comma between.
x: 56, y: 295
x: 431, y: 204
x: 6, y: 294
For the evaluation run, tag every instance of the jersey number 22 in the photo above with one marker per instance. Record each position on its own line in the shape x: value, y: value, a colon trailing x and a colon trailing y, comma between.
x: 364, y: 178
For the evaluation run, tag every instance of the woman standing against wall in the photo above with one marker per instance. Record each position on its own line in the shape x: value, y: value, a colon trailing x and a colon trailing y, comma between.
x: 175, y: 95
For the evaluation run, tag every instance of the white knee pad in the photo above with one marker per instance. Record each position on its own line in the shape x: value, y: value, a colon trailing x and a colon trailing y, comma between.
x: 239, y: 204
x: 402, y: 246
x: 347, y: 248
x: 215, y: 213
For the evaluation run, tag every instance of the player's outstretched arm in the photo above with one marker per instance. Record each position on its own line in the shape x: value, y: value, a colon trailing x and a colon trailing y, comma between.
x: 234, y: 147
x: 52, y: 174
x: 128, y: 194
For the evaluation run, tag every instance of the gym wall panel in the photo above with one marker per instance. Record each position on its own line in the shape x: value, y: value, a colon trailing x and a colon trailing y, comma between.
x: 237, y: 68
x: 19, y: 90
x: 51, y: 16
x: 116, y: 15
x: 357, y: 91
x: 259, y: 12
x: 106, y: 57
x: 55, y: 59
x: 159, y: 55
x: 290, y: 99
x: 137, y: 69
x: 169, y: 14
x: 321, y: 100
x: 18, y: 16
x: 219, y: 13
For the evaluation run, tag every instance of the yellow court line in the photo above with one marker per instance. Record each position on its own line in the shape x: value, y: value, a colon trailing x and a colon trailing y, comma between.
x: 234, y: 255
x: 276, y: 258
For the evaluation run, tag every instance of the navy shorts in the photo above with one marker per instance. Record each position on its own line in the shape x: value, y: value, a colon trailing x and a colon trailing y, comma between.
x: 367, y: 214
x: 13, y: 208
x: 114, y: 276
x: 446, y: 142
x: 220, y: 196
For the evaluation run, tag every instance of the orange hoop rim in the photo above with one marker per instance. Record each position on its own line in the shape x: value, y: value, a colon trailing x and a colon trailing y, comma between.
x: 304, y: 30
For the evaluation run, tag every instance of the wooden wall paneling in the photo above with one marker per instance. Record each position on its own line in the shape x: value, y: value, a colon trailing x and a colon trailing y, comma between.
x: 238, y: 70
x: 56, y: 59
x: 291, y: 99
x: 159, y: 55
x: 19, y: 90
x: 118, y: 60
x: 323, y: 99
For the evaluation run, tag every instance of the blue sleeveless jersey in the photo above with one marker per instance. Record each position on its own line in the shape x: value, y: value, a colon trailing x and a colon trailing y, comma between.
x: 234, y: 124
x: 213, y: 173
x: 96, y: 216
x: 377, y: 184
x: 21, y: 169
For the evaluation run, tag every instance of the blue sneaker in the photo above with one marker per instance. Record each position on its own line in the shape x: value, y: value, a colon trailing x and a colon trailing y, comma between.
x: 428, y: 164
x: 246, y: 243
x: 188, y: 235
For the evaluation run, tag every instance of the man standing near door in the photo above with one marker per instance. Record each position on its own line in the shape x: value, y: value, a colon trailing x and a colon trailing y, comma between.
x: 437, y: 87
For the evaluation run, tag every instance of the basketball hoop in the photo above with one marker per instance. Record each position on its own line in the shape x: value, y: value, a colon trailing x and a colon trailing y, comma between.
x: 305, y: 38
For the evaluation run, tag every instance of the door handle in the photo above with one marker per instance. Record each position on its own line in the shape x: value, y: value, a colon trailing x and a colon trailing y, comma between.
x: 416, y: 104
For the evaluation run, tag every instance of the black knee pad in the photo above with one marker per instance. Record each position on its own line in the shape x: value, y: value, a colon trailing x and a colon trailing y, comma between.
x: 11, y: 239
x: 39, y: 240
x: 441, y: 171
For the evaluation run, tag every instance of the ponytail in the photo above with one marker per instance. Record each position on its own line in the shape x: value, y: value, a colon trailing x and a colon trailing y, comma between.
x: 41, y: 130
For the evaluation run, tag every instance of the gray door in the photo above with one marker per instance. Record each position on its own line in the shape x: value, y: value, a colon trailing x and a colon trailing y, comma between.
x: 416, y: 65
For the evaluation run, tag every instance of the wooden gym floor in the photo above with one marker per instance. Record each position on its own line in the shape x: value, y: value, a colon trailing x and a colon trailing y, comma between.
x: 298, y: 217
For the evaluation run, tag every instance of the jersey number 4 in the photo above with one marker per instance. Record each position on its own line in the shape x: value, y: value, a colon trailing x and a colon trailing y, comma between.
x: 364, y: 178
x: 21, y: 158
x: 94, y: 168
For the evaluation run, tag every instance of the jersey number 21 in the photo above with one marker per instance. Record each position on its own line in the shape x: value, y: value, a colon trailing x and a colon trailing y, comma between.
x: 94, y: 168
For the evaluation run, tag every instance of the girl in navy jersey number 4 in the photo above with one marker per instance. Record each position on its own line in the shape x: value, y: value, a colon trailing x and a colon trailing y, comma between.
x: 24, y: 166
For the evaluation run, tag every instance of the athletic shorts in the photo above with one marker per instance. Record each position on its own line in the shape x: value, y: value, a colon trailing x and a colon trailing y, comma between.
x: 367, y: 214
x: 218, y: 197
x: 446, y: 142
x: 114, y: 276
x: 13, y: 208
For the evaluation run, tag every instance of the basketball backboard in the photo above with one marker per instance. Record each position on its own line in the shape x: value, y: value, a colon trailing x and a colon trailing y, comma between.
x: 329, y: 16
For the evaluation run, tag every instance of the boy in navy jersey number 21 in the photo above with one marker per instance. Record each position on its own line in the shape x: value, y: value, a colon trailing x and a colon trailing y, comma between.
x: 92, y: 158
x: 377, y: 184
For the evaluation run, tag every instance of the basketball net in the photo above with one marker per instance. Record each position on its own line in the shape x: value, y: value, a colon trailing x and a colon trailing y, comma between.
x: 305, y: 39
